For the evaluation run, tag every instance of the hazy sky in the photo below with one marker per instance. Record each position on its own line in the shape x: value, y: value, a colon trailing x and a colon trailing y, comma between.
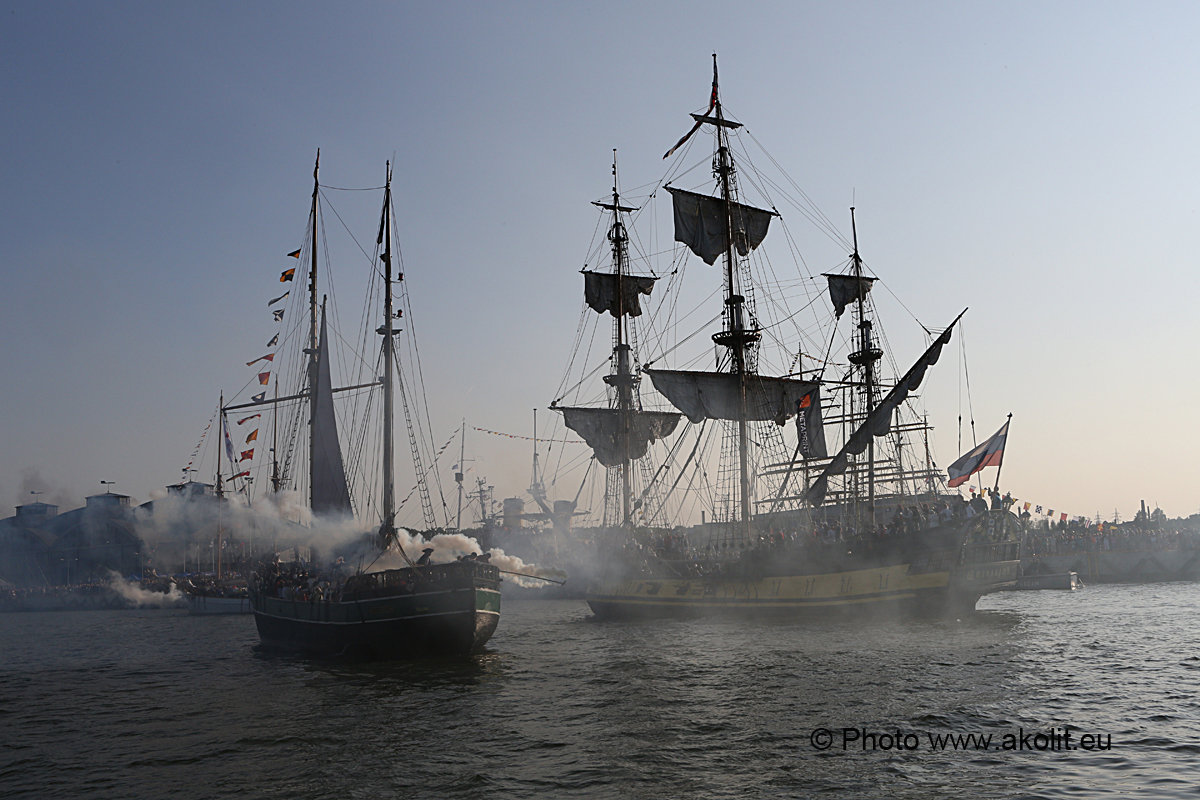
x: 1036, y: 162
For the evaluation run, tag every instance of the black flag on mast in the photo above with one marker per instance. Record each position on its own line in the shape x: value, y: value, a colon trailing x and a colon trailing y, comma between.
x: 712, y: 103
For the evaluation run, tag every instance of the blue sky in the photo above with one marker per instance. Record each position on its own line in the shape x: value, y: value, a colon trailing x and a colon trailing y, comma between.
x: 1033, y: 161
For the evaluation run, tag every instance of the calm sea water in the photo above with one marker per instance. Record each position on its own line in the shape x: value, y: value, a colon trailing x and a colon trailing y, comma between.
x: 158, y: 704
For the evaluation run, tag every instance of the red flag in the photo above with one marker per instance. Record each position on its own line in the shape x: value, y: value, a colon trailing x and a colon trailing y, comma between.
x: 245, y: 474
x: 244, y: 420
x: 264, y: 378
x: 253, y: 436
x: 267, y: 357
x: 247, y: 454
x: 1063, y: 516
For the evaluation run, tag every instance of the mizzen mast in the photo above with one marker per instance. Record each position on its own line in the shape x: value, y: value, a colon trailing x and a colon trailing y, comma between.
x: 865, y: 358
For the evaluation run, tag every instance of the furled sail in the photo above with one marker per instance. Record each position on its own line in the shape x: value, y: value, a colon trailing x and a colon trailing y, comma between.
x: 615, y: 294
x: 604, y: 432
x: 879, y: 421
x: 846, y: 289
x: 329, y: 491
x: 700, y: 224
x: 715, y: 395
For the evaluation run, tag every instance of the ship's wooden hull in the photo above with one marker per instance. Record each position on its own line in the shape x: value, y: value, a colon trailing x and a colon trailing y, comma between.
x: 893, y: 589
x: 944, y: 570
x: 453, y: 615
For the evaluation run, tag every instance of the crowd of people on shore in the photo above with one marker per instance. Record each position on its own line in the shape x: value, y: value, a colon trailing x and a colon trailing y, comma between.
x: 1076, y: 537
x: 79, y: 596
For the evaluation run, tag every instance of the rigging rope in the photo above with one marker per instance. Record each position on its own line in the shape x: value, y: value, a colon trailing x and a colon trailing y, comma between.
x: 528, y: 438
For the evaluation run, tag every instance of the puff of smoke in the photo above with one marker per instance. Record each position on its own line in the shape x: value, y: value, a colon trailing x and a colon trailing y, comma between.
x: 283, y: 521
x: 275, y: 522
x: 35, y: 488
x: 143, y: 598
x: 451, y: 546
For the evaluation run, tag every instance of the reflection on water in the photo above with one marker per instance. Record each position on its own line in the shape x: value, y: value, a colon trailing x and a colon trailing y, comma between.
x: 106, y: 704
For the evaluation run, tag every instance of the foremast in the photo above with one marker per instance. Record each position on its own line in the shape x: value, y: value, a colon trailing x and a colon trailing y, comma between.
x: 623, y: 379
x: 620, y: 434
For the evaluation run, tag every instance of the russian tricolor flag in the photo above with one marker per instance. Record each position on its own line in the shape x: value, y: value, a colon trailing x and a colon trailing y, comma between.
x: 988, y: 454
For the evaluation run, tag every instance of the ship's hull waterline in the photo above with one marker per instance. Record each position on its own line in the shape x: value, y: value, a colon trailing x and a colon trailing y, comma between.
x: 876, y: 591
x: 919, y: 578
x: 455, y: 615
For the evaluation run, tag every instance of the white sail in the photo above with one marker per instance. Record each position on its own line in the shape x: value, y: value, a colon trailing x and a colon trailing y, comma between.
x: 716, y: 395
x: 606, y: 292
x: 846, y: 289
x: 700, y: 224
x: 604, y: 431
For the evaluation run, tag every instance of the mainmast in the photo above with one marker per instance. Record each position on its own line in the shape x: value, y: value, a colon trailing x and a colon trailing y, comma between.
x: 720, y: 227
x: 737, y: 337
x: 387, y: 529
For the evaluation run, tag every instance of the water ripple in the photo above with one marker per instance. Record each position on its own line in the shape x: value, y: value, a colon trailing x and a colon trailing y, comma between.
x: 142, y: 704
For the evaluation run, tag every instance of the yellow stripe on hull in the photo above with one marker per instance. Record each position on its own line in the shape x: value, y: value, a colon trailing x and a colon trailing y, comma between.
x: 890, y: 585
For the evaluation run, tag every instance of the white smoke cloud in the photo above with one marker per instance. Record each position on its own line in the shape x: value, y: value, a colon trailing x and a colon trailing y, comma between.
x: 143, y: 598
x: 35, y: 488
x: 451, y: 546
x: 277, y: 523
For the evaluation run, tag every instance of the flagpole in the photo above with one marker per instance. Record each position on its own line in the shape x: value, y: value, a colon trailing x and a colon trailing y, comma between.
x: 996, y: 488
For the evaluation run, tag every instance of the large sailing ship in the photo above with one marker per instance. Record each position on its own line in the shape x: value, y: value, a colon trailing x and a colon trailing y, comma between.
x: 412, y: 610
x: 795, y: 530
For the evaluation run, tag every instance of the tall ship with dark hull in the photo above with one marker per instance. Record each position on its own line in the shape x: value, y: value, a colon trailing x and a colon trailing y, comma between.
x: 329, y: 607
x: 792, y: 526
